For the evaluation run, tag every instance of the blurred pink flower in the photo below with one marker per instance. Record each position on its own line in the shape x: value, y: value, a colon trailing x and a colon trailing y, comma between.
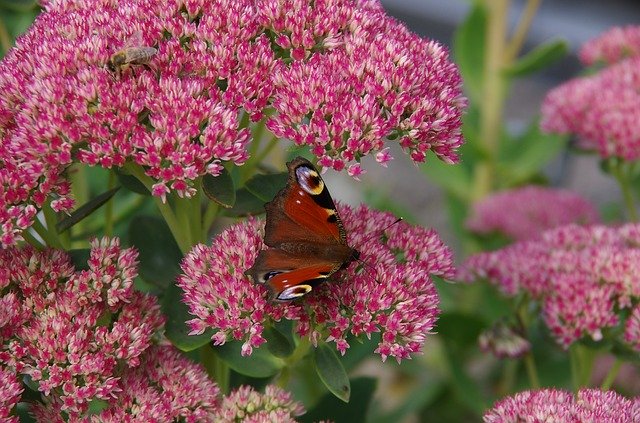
x: 249, y: 406
x: 341, y: 77
x: 10, y: 391
x: 581, y: 275
x: 552, y: 405
x: 602, y: 109
x: 612, y: 46
x: 632, y: 329
x: 504, y: 341
x: 393, y: 294
x: 524, y: 213
x: 70, y: 331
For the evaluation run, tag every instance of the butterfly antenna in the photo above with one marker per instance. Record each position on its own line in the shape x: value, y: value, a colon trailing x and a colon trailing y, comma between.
x: 380, y: 231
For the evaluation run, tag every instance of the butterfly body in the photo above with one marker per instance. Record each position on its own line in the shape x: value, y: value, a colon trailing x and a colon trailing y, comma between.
x: 306, y: 239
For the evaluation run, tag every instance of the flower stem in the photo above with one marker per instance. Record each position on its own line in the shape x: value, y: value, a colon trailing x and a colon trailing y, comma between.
x: 216, y: 368
x: 581, y: 359
x: 492, y: 95
x: 517, y: 40
x: 532, y: 372
x: 166, y: 211
x: 611, y: 375
x: 48, y: 233
x: 196, y: 213
x: 622, y: 175
x: 108, y: 208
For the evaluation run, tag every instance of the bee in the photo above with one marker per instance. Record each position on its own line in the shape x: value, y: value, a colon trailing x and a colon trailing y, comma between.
x: 133, y: 53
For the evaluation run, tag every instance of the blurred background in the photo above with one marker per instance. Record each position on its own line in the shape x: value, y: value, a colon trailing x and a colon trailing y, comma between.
x: 575, y: 21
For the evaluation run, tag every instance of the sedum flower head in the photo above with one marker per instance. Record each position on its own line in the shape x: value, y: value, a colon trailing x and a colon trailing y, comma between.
x: 582, y: 276
x: 612, y: 46
x: 552, y: 405
x: 70, y: 331
x: 602, y: 109
x: 392, y: 293
x: 524, y: 213
x: 339, y: 76
x: 632, y: 329
x: 166, y: 387
x: 504, y: 341
x: 10, y: 392
x: 247, y: 405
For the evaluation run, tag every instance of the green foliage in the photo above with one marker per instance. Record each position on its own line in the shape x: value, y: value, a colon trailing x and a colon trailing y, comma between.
x: 331, y: 371
x: 333, y: 409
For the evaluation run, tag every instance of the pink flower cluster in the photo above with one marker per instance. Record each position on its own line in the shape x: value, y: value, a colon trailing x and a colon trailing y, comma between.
x: 87, y: 335
x: 249, y: 406
x: 392, y: 293
x: 524, y: 213
x: 339, y: 76
x: 581, y: 275
x: 552, y: 405
x: 614, y: 45
x: 602, y: 109
x: 70, y: 331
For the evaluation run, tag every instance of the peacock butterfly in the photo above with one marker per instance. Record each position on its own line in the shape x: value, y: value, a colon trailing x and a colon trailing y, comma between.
x: 307, y: 242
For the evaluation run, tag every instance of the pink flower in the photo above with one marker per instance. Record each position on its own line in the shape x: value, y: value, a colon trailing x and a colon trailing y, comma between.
x: 10, y: 392
x: 581, y: 275
x: 632, y: 329
x: 614, y: 45
x: 166, y: 387
x: 546, y: 405
x: 72, y: 331
x: 602, y: 109
x: 502, y: 340
x: 246, y: 405
x: 392, y: 294
x: 524, y: 213
x: 341, y: 77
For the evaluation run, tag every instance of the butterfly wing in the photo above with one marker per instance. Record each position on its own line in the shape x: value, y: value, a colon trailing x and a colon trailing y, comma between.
x: 305, y: 234
x: 288, y: 276
x: 303, y: 211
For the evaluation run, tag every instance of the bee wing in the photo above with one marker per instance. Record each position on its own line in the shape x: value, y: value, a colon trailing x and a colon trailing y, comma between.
x: 134, y: 40
x: 140, y: 55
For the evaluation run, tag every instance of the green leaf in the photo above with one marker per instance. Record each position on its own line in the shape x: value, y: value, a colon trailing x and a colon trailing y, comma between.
x: 331, y: 372
x: 468, y: 49
x: 539, y: 58
x: 246, y: 204
x: 131, y: 183
x: 19, y: 5
x: 416, y: 399
x: 261, y: 363
x: 523, y: 158
x: 80, y: 258
x: 177, y: 314
x: 454, y: 179
x: 277, y: 343
x: 160, y: 255
x: 265, y: 187
x: 329, y: 408
x: 85, y: 210
x: 220, y: 188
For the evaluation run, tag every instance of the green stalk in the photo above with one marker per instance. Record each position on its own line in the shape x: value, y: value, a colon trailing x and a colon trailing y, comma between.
x: 49, y: 233
x: 581, y: 359
x: 108, y: 210
x: 196, y: 213
x: 215, y: 367
x: 611, y: 375
x: 532, y: 371
x: 165, y: 210
x: 622, y: 175
x: 182, y: 208
x: 520, y: 33
x: 210, y: 215
x: 492, y: 95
